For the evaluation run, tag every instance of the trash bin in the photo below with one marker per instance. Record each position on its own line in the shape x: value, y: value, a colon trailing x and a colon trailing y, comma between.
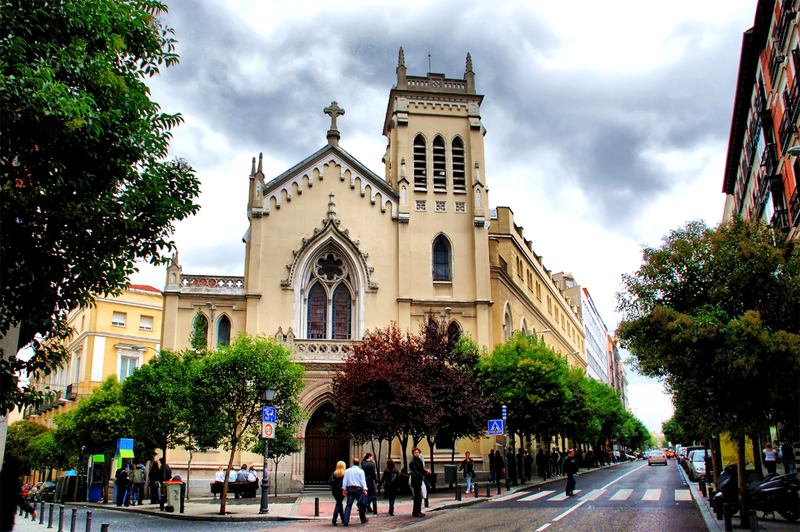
x: 450, y: 473
x: 175, y: 491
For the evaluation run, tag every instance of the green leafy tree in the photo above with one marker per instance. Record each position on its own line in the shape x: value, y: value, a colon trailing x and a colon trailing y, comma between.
x: 282, y: 445
x: 230, y: 383
x: 20, y: 434
x: 199, y: 337
x: 714, y: 314
x: 87, y: 189
x: 46, y: 452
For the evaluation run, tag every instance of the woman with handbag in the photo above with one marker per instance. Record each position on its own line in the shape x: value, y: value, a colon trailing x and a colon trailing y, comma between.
x: 335, y: 483
x: 390, y: 481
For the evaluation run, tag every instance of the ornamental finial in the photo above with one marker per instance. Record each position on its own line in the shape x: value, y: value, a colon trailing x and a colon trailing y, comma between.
x: 401, y: 61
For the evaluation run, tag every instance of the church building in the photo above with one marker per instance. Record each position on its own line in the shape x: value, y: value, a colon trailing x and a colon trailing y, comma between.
x: 334, y: 250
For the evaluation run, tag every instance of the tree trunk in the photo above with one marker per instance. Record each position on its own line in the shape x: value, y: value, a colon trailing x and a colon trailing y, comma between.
x: 404, y: 446
x: 430, y: 446
x: 189, y: 475
x: 225, y: 484
x: 740, y: 461
x: 715, y: 459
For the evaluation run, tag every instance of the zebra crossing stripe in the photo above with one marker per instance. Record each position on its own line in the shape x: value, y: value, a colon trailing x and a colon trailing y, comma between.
x: 652, y: 495
x: 561, y: 496
x: 683, y: 495
x: 592, y: 495
x: 537, y: 495
x: 622, y: 495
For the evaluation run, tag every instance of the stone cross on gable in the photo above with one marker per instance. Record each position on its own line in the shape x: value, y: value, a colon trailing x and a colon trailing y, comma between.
x: 333, y: 111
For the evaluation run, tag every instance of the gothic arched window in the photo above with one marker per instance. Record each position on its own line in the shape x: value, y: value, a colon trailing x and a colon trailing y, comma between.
x: 223, y: 331
x: 459, y: 166
x: 317, y: 312
x: 342, y: 313
x: 453, y: 332
x: 420, y: 163
x: 441, y: 259
x: 508, y: 325
x: 439, y: 164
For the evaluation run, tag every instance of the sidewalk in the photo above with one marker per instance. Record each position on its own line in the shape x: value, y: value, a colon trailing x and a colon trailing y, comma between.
x: 301, y: 506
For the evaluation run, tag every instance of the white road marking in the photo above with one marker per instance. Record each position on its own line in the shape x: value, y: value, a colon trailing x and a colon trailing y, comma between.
x: 592, y: 495
x: 622, y: 495
x: 623, y: 476
x: 683, y: 495
x: 561, y: 496
x: 569, y: 511
x: 537, y: 495
x: 542, y: 527
x: 652, y: 495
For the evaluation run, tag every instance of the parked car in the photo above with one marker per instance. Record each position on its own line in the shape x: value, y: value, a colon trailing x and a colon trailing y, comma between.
x: 32, y: 491
x: 656, y: 457
x: 685, y: 459
x: 697, y: 464
x: 26, y: 488
x: 47, y: 492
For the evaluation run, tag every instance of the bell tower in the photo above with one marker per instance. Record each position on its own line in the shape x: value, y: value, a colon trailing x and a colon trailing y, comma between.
x: 435, y: 161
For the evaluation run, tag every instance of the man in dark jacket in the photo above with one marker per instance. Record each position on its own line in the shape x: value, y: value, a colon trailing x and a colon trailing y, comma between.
x: 570, y: 468
x: 511, y: 464
x: 11, y: 490
x: 418, y: 473
x: 541, y: 464
x: 499, y: 467
x: 529, y: 465
x: 492, y: 474
x: 370, y: 473
x: 123, y: 483
x: 788, y: 458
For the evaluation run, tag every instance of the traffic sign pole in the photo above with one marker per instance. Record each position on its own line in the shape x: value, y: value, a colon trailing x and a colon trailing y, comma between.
x: 505, y: 445
x: 268, y: 423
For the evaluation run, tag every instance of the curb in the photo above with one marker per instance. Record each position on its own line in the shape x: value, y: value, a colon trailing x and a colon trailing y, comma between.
x: 708, y: 517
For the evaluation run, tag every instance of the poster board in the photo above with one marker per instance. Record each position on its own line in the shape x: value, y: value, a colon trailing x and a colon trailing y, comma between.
x: 728, y: 451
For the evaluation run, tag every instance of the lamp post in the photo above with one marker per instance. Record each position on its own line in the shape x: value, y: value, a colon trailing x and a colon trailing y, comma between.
x: 269, y: 395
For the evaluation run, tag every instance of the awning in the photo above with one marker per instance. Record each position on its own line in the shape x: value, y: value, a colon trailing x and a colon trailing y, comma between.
x: 126, y: 453
x: 98, y: 458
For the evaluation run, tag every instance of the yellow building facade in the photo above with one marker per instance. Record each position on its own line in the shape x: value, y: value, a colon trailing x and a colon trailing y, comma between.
x: 113, y: 337
x: 334, y: 250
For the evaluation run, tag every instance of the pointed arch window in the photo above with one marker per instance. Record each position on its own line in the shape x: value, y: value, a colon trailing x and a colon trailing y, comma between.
x: 223, y: 331
x: 439, y: 165
x: 441, y: 259
x: 459, y: 166
x: 420, y: 164
x: 453, y: 332
x: 508, y: 325
x: 317, y: 312
x: 342, y: 313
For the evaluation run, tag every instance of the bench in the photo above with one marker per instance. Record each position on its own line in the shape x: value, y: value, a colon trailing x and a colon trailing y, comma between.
x: 242, y: 489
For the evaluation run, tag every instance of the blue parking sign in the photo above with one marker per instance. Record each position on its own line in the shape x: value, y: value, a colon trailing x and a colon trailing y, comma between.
x: 495, y: 427
x: 268, y: 414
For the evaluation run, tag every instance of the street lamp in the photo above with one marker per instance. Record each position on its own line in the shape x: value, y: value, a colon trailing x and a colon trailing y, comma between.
x: 794, y: 150
x: 268, y: 396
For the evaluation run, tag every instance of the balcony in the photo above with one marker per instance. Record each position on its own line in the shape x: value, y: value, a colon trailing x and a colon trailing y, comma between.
x: 71, y: 393
x: 780, y: 220
x: 786, y: 129
x: 769, y: 159
x: 794, y: 206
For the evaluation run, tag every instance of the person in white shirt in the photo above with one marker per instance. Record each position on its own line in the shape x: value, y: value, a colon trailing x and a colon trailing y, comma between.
x: 219, y: 479
x: 354, y: 484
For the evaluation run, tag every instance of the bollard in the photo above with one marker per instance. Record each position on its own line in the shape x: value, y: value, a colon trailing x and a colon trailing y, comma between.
x: 458, y: 493
x: 426, y: 502
x: 21, y: 511
x: 499, y: 488
x: 104, y: 527
x: 33, y: 513
x: 476, y: 490
x: 488, y: 489
x: 89, y: 521
x: 710, y: 493
x: 74, y: 521
x: 61, y: 518
x: 754, y: 521
x: 703, y: 486
x: 50, y: 517
x: 41, y: 513
x: 316, y: 506
x: 728, y: 511
x: 718, y: 504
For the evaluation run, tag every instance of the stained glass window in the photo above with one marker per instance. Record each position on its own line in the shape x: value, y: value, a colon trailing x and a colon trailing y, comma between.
x: 441, y: 260
x: 317, y: 310
x: 224, y: 331
x: 342, y: 310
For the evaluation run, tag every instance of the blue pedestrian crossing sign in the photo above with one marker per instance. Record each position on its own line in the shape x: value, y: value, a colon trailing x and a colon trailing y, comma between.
x: 495, y: 427
x: 268, y: 413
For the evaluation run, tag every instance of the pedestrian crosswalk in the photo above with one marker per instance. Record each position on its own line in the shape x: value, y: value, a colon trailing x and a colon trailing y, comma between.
x: 649, y: 495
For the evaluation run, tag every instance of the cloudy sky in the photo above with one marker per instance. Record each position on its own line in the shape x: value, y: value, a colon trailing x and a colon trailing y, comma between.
x: 607, y: 121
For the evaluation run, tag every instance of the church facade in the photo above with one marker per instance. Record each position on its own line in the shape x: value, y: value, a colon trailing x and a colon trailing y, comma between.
x: 334, y: 250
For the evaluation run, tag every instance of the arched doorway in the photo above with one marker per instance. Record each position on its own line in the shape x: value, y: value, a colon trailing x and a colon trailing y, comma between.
x: 322, y: 451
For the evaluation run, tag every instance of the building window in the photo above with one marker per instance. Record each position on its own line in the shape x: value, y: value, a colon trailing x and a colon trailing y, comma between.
x: 223, y: 331
x: 461, y: 207
x: 421, y: 205
x: 459, y: 166
x: 145, y: 323
x: 83, y: 321
x: 127, y: 366
x: 441, y: 206
x: 538, y: 291
x: 200, y: 330
x: 508, y: 326
x: 78, y: 356
x: 317, y: 303
x: 550, y: 305
x: 439, y: 165
x: 420, y: 164
x: 441, y: 259
x: 342, y: 313
x: 453, y: 332
x: 118, y: 319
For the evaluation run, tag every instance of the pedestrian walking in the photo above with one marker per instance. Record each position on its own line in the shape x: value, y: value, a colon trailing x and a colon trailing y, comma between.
x: 354, y: 485
x: 338, y: 491
x: 529, y: 465
x: 770, y: 458
x: 499, y: 466
x: 541, y: 465
x: 492, y: 473
x: 391, y: 483
x: 511, y: 465
x: 788, y: 458
x: 139, y: 479
x: 11, y: 489
x: 418, y: 473
x: 590, y: 458
x: 467, y: 466
x: 371, y: 475
x: 570, y: 468
x: 556, y: 460
x: 154, y: 477
x: 122, y: 482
